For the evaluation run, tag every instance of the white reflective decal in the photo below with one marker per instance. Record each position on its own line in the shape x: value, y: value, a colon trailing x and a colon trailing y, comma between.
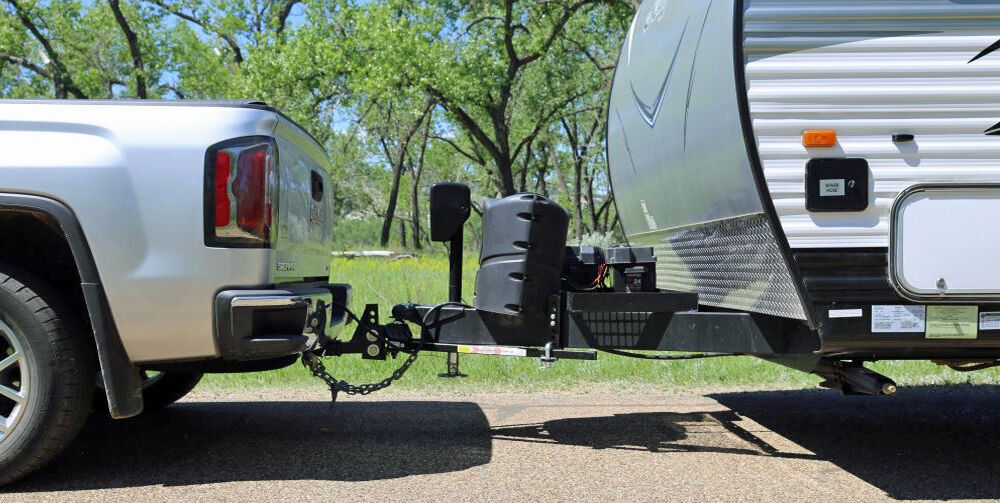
x: 845, y: 313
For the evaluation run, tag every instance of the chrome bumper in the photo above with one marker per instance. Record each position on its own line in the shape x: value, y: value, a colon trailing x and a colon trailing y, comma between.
x: 263, y: 324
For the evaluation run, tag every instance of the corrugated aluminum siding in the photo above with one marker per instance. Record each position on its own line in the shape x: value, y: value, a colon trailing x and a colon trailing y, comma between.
x: 869, y: 69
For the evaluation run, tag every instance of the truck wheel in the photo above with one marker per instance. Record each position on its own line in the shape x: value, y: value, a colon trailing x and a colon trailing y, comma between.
x: 160, y: 389
x: 46, y: 375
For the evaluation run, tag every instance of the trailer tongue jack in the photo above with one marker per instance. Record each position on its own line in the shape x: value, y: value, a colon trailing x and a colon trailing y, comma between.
x: 451, y: 205
x: 536, y: 297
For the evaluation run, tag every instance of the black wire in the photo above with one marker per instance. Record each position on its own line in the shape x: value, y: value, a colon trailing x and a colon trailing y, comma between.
x: 424, y: 324
x: 666, y: 357
x: 438, y: 322
x: 974, y: 367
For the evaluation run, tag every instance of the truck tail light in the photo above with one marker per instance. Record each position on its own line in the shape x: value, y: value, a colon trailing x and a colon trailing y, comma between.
x: 222, y: 202
x: 240, y: 192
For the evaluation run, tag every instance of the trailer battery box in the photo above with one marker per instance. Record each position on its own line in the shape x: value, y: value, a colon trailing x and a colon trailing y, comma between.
x: 520, y: 264
x: 634, y: 269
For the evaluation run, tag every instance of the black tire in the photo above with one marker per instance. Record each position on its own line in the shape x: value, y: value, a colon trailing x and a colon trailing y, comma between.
x: 58, y: 362
x: 166, y: 388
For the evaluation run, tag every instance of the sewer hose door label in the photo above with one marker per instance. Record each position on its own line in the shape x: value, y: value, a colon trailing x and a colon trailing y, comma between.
x: 832, y: 187
x: 898, y: 319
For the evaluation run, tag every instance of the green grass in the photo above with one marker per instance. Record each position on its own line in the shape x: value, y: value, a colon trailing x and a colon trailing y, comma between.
x: 424, y: 280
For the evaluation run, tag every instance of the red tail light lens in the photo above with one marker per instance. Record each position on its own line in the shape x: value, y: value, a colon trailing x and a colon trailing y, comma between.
x: 222, y: 204
x: 239, y: 196
x: 250, y: 189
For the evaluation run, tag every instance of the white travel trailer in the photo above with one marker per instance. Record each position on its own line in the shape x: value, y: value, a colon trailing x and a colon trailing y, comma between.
x: 835, y: 164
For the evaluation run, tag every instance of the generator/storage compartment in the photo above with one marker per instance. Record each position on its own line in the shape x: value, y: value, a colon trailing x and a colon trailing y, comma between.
x: 524, y: 240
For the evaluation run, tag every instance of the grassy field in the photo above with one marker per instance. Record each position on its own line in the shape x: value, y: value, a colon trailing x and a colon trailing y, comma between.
x: 389, y: 282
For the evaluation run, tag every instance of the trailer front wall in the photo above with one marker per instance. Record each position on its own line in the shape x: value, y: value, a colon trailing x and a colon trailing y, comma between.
x: 868, y: 69
x: 680, y: 167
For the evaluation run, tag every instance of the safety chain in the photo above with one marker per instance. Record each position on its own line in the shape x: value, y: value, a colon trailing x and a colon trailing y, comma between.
x: 317, y: 368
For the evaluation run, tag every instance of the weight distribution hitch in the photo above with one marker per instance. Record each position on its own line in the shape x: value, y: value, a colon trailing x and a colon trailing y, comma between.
x: 535, y: 297
x: 374, y: 341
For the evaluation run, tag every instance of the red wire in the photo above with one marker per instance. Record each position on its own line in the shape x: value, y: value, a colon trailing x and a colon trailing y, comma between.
x: 600, y: 274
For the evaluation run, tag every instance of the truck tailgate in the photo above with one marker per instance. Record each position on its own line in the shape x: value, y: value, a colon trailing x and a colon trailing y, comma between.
x: 304, y: 215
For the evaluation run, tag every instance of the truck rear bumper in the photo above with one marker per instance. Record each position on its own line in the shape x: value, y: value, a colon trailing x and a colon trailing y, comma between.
x: 264, y: 324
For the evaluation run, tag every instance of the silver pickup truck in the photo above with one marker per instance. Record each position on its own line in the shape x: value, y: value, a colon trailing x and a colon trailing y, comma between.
x: 146, y: 243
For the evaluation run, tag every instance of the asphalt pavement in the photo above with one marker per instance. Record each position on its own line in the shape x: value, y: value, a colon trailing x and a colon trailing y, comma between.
x: 925, y: 443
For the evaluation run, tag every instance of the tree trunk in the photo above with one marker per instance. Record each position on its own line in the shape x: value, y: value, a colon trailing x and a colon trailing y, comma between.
x: 505, y: 172
x: 398, y: 164
x: 540, y: 173
x: 610, y: 202
x: 415, y: 171
x: 390, y: 210
x: 614, y: 221
x: 133, y: 46
x: 560, y: 176
x: 524, y: 169
x: 578, y: 197
x: 592, y: 204
x: 415, y: 205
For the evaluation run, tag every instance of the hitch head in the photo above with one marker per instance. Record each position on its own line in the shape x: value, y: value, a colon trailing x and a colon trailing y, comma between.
x: 369, y: 339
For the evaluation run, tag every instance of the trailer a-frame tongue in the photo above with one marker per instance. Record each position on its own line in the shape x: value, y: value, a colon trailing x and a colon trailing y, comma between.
x: 537, y: 297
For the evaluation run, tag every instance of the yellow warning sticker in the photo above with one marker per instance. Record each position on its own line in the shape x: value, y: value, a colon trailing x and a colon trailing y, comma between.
x: 952, y: 322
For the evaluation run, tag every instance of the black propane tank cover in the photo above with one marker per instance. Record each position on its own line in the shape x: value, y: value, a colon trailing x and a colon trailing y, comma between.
x: 524, y: 240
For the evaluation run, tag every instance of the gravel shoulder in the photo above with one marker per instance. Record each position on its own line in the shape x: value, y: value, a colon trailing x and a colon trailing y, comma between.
x: 924, y: 443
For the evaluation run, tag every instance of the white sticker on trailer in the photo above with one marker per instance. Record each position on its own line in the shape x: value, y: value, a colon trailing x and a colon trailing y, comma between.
x: 492, y: 350
x: 845, y: 313
x: 989, y: 320
x: 898, y: 319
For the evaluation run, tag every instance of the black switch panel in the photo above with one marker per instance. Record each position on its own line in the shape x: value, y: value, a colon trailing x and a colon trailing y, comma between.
x: 837, y: 184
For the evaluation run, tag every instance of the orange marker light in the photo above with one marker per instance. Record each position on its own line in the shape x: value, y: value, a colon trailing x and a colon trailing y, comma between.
x: 819, y: 138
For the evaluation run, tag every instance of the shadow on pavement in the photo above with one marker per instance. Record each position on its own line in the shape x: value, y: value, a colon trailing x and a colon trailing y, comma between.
x: 200, y: 443
x: 648, y: 431
x: 926, y: 442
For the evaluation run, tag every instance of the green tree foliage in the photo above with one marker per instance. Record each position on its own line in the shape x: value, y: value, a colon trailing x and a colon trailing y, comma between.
x: 505, y: 95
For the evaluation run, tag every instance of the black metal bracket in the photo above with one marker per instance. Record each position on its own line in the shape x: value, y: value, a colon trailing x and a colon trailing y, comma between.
x: 369, y: 339
x: 633, y: 302
x: 658, y: 321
